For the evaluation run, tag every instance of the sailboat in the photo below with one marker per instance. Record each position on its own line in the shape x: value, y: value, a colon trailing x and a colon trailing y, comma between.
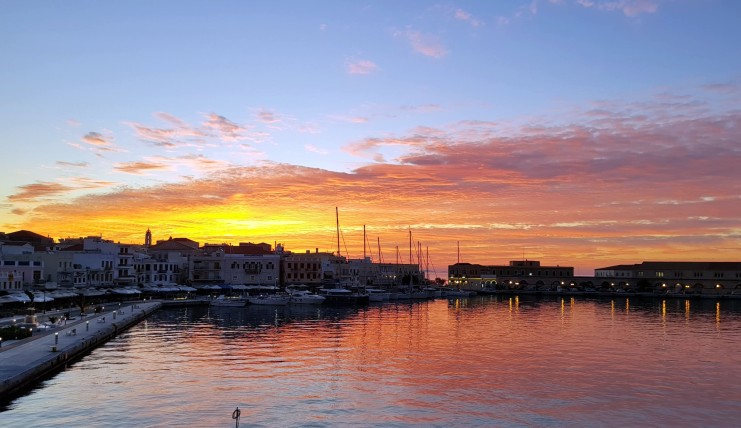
x: 411, y: 291
x: 338, y: 294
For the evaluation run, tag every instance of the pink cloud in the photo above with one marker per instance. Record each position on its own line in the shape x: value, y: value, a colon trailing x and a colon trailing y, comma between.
x: 361, y: 67
x: 426, y: 44
x: 225, y: 129
x: 462, y: 15
x: 630, y: 8
x: 268, y: 117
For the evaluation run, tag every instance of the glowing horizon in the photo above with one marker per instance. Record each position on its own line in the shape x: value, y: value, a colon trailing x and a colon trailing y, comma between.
x: 479, y: 126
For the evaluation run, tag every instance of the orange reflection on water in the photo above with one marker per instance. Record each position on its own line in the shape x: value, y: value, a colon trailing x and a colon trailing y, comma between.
x: 663, y: 310
x: 687, y: 309
x: 717, y: 314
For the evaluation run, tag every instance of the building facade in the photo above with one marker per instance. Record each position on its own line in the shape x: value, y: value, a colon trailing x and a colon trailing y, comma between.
x: 711, y: 278
x: 518, y: 274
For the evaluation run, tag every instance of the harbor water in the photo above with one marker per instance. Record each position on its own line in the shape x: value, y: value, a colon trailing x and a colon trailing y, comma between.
x: 482, y: 361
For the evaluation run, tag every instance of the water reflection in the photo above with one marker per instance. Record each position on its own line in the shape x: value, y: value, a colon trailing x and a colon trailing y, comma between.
x: 479, y: 361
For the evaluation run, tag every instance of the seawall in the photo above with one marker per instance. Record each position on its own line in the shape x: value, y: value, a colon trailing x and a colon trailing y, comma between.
x: 25, y: 364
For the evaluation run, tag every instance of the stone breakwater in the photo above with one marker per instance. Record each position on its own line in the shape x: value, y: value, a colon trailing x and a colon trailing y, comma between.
x: 24, y: 364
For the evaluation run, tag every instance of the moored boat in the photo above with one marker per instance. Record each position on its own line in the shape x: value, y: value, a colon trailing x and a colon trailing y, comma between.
x: 229, y: 301
x: 305, y: 297
x: 270, y: 299
x: 343, y: 296
x: 457, y: 292
x: 378, y: 295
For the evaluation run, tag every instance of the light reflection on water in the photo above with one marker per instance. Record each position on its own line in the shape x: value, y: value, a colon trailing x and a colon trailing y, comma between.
x: 483, y: 361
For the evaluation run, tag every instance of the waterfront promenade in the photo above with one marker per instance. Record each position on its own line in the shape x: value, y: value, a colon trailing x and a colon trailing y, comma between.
x: 24, y: 362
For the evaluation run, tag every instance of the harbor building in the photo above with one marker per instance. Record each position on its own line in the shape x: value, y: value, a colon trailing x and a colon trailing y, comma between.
x: 311, y: 268
x: 518, y: 274
x: 18, y: 266
x: 229, y: 265
x: 706, y: 278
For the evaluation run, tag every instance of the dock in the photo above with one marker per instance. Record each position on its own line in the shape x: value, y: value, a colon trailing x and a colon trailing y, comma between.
x: 25, y: 362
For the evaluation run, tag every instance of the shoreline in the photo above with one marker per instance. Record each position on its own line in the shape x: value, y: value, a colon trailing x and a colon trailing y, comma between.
x: 26, y: 362
x: 602, y: 294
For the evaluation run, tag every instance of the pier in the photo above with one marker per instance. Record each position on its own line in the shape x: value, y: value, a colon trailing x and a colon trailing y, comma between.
x: 24, y: 362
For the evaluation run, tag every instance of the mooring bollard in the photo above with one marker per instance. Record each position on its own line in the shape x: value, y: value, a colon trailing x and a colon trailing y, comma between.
x: 235, y: 415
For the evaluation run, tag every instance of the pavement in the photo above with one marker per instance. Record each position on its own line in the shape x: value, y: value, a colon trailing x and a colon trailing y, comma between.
x: 24, y: 361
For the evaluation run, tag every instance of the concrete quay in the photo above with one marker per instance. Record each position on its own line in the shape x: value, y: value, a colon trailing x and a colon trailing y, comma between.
x: 24, y: 362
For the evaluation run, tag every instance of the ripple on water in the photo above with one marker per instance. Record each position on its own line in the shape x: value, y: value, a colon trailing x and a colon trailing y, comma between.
x: 464, y: 362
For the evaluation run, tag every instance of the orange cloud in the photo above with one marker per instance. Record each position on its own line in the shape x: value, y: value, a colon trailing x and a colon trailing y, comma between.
x: 39, y: 190
x: 656, y: 180
x: 139, y: 167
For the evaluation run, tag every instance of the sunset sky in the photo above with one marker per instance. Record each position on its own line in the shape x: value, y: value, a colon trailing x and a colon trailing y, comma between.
x: 584, y: 133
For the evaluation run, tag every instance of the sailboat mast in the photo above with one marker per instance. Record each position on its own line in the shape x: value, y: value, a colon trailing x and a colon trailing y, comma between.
x: 380, y: 258
x: 427, y: 261
x: 410, y: 245
x: 364, y: 242
x: 337, y: 220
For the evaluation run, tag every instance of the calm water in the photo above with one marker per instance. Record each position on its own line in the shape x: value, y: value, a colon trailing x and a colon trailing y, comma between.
x: 484, y: 361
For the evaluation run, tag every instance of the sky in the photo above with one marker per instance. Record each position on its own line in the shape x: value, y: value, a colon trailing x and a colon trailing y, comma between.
x: 584, y: 133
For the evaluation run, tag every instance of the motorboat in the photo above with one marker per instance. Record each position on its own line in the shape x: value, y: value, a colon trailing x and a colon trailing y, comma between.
x: 270, y: 299
x: 229, y: 301
x: 378, y: 294
x: 344, y: 296
x: 457, y: 292
x: 305, y: 297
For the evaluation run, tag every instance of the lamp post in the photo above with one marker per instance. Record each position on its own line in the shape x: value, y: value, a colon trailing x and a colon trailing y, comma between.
x: 87, y: 325
x: 56, y: 338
